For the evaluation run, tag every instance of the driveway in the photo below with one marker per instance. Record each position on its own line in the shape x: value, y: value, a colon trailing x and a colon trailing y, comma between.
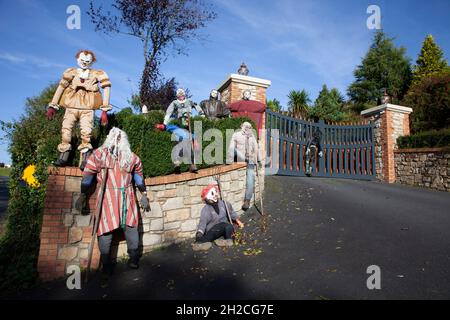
x: 316, y: 242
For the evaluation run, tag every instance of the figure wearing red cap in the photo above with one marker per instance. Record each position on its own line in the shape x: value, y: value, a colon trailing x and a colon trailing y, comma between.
x: 214, y: 222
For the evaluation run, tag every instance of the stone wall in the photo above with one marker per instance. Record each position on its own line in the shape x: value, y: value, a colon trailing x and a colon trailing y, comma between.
x: 175, y: 211
x: 428, y: 168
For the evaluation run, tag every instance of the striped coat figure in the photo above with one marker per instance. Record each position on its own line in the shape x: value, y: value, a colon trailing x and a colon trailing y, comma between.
x: 119, y: 207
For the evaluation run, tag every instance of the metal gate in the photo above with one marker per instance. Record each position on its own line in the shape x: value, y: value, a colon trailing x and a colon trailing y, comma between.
x: 348, y: 150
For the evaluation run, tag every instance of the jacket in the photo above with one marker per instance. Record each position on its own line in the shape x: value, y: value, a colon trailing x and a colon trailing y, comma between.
x: 209, y: 217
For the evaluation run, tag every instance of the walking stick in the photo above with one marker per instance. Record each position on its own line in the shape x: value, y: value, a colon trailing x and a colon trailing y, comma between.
x: 259, y: 187
x: 217, y: 178
x: 190, y: 138
x: 96, y: 222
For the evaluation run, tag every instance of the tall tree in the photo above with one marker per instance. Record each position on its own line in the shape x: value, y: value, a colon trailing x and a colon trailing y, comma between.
x: 383, y: 67
x: 161, y: 25
x: 328, y: 105
x: 273, y: 105
x: 299, y: 102
x: 431, y: 60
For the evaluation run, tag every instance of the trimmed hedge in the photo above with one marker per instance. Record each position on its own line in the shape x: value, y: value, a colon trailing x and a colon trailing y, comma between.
x: 426, y: 139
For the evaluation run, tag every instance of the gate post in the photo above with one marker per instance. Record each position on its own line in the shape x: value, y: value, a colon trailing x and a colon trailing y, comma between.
x: 390, y: 122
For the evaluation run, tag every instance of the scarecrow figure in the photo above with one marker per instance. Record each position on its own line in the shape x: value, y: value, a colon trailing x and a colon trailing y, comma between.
x: 78, y: 92
x: 214, y: 108
x: 119, y: 209
x: 180, y: 111
x: 244, y: 148
x: 314, y: 145
x: 216, y: 221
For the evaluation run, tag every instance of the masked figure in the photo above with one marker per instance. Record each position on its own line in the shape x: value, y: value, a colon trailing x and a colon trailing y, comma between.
x: 313, y: 146
x: 79, y: 93
x: 244, y: 148
x: 214, y: 108
x: 177, y: 121
x: 119, y: 207
x: 215, y: 224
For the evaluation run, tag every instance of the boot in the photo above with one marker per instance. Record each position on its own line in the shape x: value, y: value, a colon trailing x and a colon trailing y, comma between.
x: 193, y: 168
x: 62, y: 159
x: 177, y: 169
x: 84, y: 158
x: 201, y: 246
x: 133, y: 262
x: 107, y: 265
x: 246, y: 204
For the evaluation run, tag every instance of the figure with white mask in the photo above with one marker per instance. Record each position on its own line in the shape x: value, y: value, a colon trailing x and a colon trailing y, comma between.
x: 119, y: 208
x: 214, y: 108
x: 177, y: 121
x: 244, y: 148
x: 215, y: 224
x: 79, y: 93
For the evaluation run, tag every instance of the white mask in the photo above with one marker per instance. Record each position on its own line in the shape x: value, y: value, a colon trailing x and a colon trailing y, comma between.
x: 212, y: 195
x: 84, y: 60
x: 247, y: 94
x: 214, y: 94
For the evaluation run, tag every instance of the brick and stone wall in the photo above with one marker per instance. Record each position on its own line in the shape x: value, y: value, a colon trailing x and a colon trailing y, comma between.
x: 232, y: 88
x: 425, y: 167
x: 391, y: 122
x: 175, y: 211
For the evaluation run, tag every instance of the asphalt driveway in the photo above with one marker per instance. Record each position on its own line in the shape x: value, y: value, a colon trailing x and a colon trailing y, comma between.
x: 316, y: 242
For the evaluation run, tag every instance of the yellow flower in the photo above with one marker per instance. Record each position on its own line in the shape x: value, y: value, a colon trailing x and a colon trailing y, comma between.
x: 28, y: 176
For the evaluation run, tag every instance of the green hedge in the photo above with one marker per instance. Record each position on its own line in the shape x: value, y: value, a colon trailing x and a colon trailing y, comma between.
x: 426, y: 139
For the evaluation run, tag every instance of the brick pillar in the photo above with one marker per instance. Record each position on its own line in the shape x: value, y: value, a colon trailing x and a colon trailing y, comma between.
x: 232, y: 88
x: 65, y: 233
x: 391, y: 122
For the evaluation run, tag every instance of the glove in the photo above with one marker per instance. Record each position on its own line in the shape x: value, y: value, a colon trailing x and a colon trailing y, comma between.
x: 198, y: 236
x: 104, y: 119
x: 145, y: 203
x: 160, y: 126
x: 80, y: 204
x: 51, y: 113
x: 320, y: 154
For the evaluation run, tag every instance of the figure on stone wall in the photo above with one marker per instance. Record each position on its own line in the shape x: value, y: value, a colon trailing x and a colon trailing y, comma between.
x: 215, y: 224
x: 119, y: 208
x: 243, y: 69
x: 214, y: 108
x: 78, y: 92
x: 244, y: 148
x: 177, y: 121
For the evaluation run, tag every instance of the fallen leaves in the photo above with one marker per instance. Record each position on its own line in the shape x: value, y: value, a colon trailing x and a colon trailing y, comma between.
x: 252, y: 252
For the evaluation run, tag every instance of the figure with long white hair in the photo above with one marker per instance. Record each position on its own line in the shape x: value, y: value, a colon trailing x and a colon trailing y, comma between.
x: 119, y: 207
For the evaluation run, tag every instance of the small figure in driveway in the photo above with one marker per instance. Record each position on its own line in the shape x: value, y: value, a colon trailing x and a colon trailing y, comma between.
x: 313, y: 146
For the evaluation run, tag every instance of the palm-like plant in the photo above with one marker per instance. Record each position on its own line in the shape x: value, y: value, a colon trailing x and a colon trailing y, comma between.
x: 299, y: 102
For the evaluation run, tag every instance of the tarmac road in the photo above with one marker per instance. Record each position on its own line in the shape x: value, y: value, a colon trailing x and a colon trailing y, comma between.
x: 318, y: 240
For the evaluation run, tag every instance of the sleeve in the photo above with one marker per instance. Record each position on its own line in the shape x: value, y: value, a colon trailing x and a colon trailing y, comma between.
x: 92, y: 165
x: 204, y: 219
x: 199, y: 110
x: 230, y: 155
x: 138, y: 175
x: 103, y: 79
x: 67, y: 77
x: 256, y: 146
x: 169, y: 112
x: 225, y: 110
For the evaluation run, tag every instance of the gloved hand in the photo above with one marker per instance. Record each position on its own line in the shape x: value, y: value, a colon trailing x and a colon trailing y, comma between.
x: 160, y: 126
x: 198, y: 236
x: 104, y: 119
x: 51, y: 112
x: 145, y: 203
x: 80, y: 204
x: 321, y: 154
x: 239, y: 223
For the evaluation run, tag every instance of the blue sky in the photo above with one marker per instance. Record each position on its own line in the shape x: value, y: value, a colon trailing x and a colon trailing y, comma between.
x: 294, y: 43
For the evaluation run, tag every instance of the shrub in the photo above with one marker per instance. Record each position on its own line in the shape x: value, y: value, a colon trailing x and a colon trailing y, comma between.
x: 425, y: 139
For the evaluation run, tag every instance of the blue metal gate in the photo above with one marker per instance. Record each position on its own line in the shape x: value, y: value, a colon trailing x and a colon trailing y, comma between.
x: 348, y: 150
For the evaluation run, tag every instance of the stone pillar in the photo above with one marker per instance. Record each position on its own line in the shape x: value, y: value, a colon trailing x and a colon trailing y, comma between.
x: 391, y: 122
x: 232, y: 88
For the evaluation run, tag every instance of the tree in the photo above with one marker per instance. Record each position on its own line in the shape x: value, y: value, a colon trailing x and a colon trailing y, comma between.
x: 298, y: 102
x: 159, y: 97
x: 430, y: 61
x: 383, y: 67
x: 274, y: 105
x: 160, y: 25
x: 430, y: 101
x: 328, y: 105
